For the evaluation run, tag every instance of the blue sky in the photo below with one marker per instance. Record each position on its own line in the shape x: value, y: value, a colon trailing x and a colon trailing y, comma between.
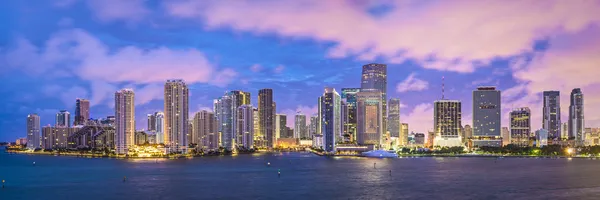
x: 52, y: 52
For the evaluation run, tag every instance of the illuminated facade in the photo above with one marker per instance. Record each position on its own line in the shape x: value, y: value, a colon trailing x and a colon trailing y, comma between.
x: 551, y: 113
x: 369, y: 117
x: 520, y: 126
x: 225, y: 120
x: 505, y: 136
x: 258, y: 139
x: 280, y: 126
x: 63, y: 119
x: 541, y: 137
x: 156, y: 123
x: 300, y: 127
x: 176, y: 115
x: 403, y: 139
x: 82, y: 111
x: 331, y: 119
x: 447, y: 123
x: 576, y: 119
x: 349, y: 95
x: 124, y: 120
x: 238, y: 99
x: 245, y: 126
x: 486, y: 117
x: 33, y: 131
x: 394, y: 125
x: 374, y: 76
x: 266, y: 113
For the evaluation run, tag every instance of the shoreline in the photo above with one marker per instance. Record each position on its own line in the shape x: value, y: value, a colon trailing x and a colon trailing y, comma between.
x: 315, y: 153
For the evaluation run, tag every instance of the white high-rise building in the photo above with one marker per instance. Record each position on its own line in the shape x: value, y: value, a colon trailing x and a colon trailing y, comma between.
x: 300, y: 130
x: 245, y: 125
x: 33, y: 131
x: 63, y: 119
x: 331, y: 118
x: 124, y: 120
x: 176, y: 115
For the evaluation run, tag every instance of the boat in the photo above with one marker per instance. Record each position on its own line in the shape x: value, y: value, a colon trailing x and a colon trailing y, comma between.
x: 380, y: 154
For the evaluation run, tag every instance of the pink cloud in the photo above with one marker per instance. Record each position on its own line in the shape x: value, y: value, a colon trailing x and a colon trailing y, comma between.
x: 441, y: 35
x: 309, y: 111
x: 411, y: 83
x: 419, y: 119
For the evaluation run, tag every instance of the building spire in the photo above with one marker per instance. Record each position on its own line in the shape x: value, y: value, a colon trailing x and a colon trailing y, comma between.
x: 442, y: 87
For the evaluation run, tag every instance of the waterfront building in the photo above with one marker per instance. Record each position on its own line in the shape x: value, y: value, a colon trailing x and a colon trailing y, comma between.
x: 576, y: 118
x: 349, y: 96
x: 551, y: 113
x: 403, y: 139
x: 266, y: 112
x: 245, y: 126
x: 369, y: 116
x: 447, y: 123
x: 141, y: 138
x: 151, y: 122
x: 124, y: 120
x: 505, y: 136
x: 331, y: 119
x: 430, y: 139
x: 564, y: 131
x: 317, y: 141
x: 541, y: 137
x: 156, y: 123
x: 468, y: 133
x: 419, y: 139
x: 82, y: 111
x: 33, y: 131
x: 63, y: 118
x: 280, y: 126
x: 205, y: 124
x: 520, y: 126
x: 374, y: 76
x: 300, y: 127
x: 225, y: 120
x: 258, y: 139
x: 394, y: 125
x: 176, y: 115
x: 314, y: 123
x: 486, y: 117
x: 47, y: 140
x: 238, y: 99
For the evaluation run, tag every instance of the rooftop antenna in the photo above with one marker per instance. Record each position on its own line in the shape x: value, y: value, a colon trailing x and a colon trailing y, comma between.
x: 442, y: 87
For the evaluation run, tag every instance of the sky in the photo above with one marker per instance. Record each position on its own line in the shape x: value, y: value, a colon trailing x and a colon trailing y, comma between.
x: 52, y: 52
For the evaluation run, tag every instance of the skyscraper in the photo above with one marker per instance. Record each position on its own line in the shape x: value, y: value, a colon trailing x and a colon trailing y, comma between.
x: 258, y: 139
x: 245, y: 126
x: 238, y: 98
x: 403, y: 139
x: 394, y: 117
x: 551, y: 113
x: 576, y: 120
x: 280, y: 126
x: 205, y: 125
x: 520, y: 126
x: 63, y: 119
x: 151, y: 122
x: 124, y: 120
x: 82, y: 111
x: 331, y: 119
x: 447, y: 123
x: 468, y: 133
x: 369, y: 114
x: 300, y: 127
x: 224, y: 111
x: 33, y: 131
x: 349, y: 95
x: 374, y: 76
x: 159, y: 127
x: 266, y: 112
x: 314, y: 123
x: 505, y: 136
x: 486, y: 117
x: 176, y: 115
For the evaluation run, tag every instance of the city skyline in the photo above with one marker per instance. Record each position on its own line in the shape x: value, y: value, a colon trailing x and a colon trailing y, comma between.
x: 141, y: 50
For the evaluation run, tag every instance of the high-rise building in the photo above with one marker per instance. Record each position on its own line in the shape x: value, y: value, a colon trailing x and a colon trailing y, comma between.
x: 224, y: 111
x: 349, y: 95
x: 266, y: 112
x: 565, y: 131
x: 551, y: 113
x: 374, y: 76
x: 576, y: 122
x: 369, y: 114
x: 468, y: 133
x: 176, y: 115
x: 47, y: 137
x: 190, y: 131
x: 159, y: 127
x: 258, y: 139
x: 63, y: 119
x: 394, y: 117
x: 151, y: 122
x: 82, y: 111
x: 300, y: 127
x: 541, y: 137
x: 314, y: 123
x: 505, y: 136
x: 486, y: 117
x: 124, y: 120
x: 447, y: 123
x: 331, y: 119
x: 403, y: 139
x: 245, y: 126
x: 140, y: 138
x: 238, y: 99
x: 520, y: 126
x: 280, y: 122
x: 33, y: 131
x: 205, y: 125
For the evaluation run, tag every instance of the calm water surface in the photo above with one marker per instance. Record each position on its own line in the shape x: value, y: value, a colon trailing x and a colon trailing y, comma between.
x: 303, y: 176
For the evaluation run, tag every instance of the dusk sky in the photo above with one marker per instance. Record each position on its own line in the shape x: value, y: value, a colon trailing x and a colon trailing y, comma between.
x: 52, y: 52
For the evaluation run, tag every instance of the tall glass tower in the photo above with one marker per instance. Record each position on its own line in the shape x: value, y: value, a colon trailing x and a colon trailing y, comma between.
x: 374, y: 76
x: 551, y: 113
x: 576, y: 122
x: 176, y: 115
x: 331, y: 119
x: 266, y: 116
x: 486, y: 117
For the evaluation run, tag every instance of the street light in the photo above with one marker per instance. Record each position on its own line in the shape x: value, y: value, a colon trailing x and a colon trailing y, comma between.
x: 570, y: 151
